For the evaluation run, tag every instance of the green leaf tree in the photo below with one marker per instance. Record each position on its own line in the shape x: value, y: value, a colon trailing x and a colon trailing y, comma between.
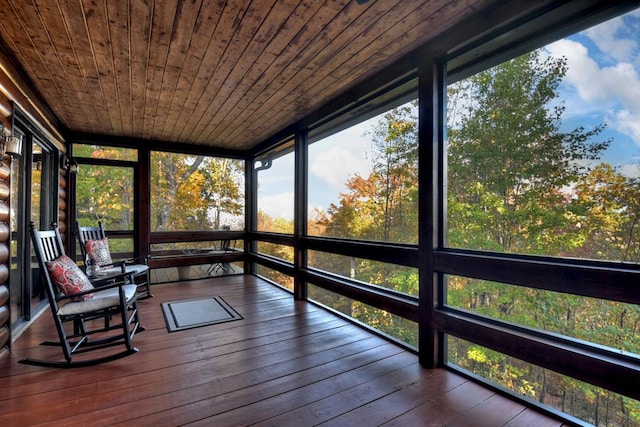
x: 508, y: 159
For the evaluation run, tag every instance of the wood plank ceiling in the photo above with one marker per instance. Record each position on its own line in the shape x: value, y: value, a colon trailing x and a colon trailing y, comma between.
x: 217, y: 73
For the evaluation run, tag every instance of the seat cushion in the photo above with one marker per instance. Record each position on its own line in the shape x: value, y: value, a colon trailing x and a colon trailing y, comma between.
x: 69, y: 278
x: 98, y: 251
x: 101, y: 299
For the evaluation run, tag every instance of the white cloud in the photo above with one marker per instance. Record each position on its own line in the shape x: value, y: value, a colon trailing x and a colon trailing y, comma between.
x: 582, y: 70
x: 337, y: 165
x: 278, y: 205
x: 611, y: 90
x: 335, y: 159
x: 630, y: 170
x: 628, y: 123
x: 609, y: 38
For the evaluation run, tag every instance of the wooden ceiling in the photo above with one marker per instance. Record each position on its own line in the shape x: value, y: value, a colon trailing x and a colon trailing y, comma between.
x: 218, y: 73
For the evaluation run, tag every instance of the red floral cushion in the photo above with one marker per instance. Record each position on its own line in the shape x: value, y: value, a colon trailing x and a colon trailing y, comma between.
x: 69, y: 278
x: 98, y: 251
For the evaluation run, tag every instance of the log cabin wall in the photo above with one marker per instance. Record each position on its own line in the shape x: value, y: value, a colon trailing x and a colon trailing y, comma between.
x: 5, y: 241
x: 15, y: 92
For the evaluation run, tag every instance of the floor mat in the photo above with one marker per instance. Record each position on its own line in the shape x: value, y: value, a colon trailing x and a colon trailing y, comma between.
x: 180, y: 315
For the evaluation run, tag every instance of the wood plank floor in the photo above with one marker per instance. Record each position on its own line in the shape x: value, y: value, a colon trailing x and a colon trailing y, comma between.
x: 286, y: 363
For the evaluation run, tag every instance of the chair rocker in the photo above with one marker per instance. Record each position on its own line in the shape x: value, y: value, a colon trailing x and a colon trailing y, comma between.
x: 139, y: 271
x: 76, y: 305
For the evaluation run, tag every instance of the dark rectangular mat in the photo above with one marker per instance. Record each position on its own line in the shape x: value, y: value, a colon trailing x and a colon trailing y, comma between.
x: 195, y: 313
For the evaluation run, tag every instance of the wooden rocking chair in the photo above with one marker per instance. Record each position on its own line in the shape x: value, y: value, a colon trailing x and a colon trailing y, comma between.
x: 96, y: 236
x: 76, y: 305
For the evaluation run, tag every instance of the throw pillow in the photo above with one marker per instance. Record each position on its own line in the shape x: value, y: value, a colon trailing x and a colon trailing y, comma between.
x: 98, y: 251
x: 69, y: 278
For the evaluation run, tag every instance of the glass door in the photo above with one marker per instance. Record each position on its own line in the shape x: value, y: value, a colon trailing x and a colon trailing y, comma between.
x: 32, y: 199
x: 39, y: 197
x: 17, y: 200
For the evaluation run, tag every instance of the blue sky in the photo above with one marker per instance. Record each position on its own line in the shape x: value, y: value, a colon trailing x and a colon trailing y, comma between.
x: 602, y: 85
x: 332, y: 162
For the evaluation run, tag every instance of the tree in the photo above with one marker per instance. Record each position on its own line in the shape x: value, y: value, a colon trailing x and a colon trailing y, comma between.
x: 606, y: 206
x: 395, y: 177
x: 383, y: 206
x: 517, y: 183
x: 104, y: 192
x: 508, y: 160
x: 223, y: 187
x: 173, y: 185
x: 194, y: 192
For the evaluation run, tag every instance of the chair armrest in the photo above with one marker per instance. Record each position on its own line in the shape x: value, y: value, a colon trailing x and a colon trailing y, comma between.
x: 101, y: 282
x: 138, y: 260
x: 63, y: 297
x: 120, y: 264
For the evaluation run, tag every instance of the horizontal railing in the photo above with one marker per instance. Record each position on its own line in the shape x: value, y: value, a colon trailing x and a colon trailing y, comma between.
x: 602, y: 366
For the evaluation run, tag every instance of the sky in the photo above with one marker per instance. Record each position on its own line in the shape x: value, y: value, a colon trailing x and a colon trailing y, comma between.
x: 332, y: 161
x: 602, y: 85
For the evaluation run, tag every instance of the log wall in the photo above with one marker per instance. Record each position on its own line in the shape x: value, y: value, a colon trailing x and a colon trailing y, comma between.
x: 5, y: 262
x: 5, y: 237
x: 15, y: 91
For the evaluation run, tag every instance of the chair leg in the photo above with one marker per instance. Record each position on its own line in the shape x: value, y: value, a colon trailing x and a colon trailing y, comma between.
x: 149, y: 294
x: 147, y: 284
x: 126, y: 321
x: 143, y: 282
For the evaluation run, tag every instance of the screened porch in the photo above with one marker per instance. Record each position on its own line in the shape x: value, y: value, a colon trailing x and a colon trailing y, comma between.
x: 424, y: 212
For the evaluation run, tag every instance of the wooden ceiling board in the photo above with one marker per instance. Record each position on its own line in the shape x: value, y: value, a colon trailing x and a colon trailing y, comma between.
x: 60, y: 60
x: 255, y: 78
x: 183, y: 60
x: 218, y: 73
x: 92, y: 101
x: 94, y: 16
x: 280, y: 70
x: 335, y: 48
x: 201, y: 93
x: 232, y: 54
x: 12, y: 21
x: 191, y: 67
x: 250, y: 65
x: 346, y: 65
x: 290, y: 70
x: 140, y: 40
x: 162, y: 23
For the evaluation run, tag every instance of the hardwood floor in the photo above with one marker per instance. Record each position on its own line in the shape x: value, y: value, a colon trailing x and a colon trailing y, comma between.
x: 285, y: 363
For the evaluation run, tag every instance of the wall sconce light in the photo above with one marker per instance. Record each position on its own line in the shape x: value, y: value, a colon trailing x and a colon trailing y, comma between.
x: 11, y: 145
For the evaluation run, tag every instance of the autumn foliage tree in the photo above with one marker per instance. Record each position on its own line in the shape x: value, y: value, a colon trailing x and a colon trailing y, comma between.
x: 187, y: 192
x: 383, y: 205
x: 194, y: 192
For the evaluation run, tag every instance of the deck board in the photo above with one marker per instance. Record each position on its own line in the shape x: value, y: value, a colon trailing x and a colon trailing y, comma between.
x: 285, y: 363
